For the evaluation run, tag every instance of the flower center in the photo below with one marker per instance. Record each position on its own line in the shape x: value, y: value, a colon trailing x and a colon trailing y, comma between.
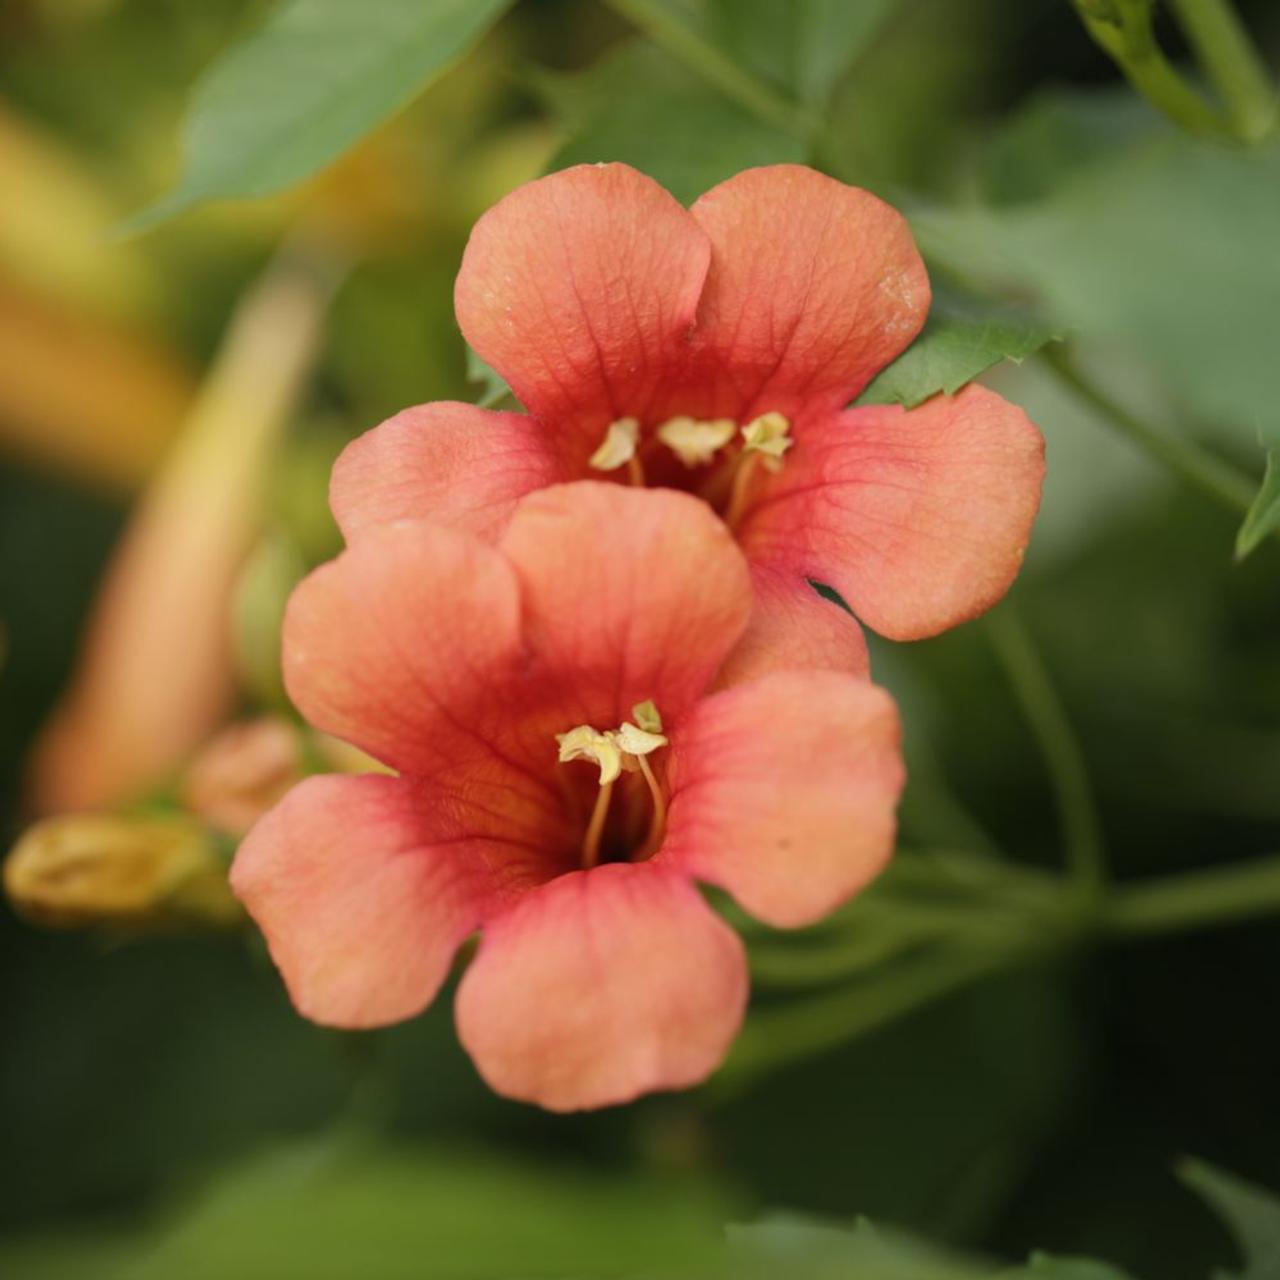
x: 618, y: 752
x: 698, y: 443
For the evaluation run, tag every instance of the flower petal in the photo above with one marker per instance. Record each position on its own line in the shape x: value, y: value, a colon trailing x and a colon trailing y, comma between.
x: 814, y: 287
x: 600, y: 986
x: 793, y: 628
x: 361, y: 913
x: 404, y: 644
x: 457, y: 464
x: 630, y: 595
x: 580, y: 289
x: 919, y: 518
x: 783, y: 792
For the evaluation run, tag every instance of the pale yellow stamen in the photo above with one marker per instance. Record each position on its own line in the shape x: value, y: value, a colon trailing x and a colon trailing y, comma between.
x: 585, y: 743
x: 614, y: 750
x: 645, y: 714
x: 695, y: 443
x: 658, y: 820
x: 595, y: 828
x: 633, y: 741
x: 769, y: 436
x: 619, y: 445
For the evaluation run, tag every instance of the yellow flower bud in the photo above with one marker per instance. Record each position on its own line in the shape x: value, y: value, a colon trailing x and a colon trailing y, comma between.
x: 129, y: 871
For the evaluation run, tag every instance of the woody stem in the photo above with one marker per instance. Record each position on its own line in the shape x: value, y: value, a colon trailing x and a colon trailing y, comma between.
x: 595, y: 828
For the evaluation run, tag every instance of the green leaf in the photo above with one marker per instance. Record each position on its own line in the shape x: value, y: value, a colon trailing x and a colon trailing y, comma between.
x: 332, y: 1211
x: 803, y: 47
x: 313, y: 80
x: 1126, y: 244
x: 792, y: 1245
x: 1044, y: 1266
x: 956, y: 345
x: 493, y: 387
x: 639, y: 107
x: 1252, y: 1214
x: 1263, y: 516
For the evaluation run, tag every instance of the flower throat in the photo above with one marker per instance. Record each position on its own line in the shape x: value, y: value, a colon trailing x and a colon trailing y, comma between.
x: 620, y: 753
x: 699, y: 443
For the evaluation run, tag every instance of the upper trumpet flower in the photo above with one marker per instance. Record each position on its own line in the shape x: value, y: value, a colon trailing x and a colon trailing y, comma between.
x: 567, y: 768
x: 715, y: 349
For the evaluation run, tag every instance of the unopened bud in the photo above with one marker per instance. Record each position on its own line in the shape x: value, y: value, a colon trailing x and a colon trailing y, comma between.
x: 242, y: 772
x: 129, y: 871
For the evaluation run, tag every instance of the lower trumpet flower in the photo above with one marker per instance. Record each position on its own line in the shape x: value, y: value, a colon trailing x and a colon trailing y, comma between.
x: 569, y: 762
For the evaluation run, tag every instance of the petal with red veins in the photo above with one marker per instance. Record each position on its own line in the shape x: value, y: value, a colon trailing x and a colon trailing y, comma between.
x: 919, y: 518
x: 580, y: 289
x: 783, y: 792
x: 600, y: 986
x: 793, y: 627
x: 362, y: 914
x: 454, y: 463
x: 406, y: 646
x: 629, y: 595
x: 814, y: 287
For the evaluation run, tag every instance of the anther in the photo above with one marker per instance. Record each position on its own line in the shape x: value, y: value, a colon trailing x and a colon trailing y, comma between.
x: 694, y: 442
x: 618, y: 446
x: 769, y: 436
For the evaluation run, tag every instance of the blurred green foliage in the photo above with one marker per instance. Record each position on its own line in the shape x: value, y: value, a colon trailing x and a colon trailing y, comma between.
x: 1037, y: 1103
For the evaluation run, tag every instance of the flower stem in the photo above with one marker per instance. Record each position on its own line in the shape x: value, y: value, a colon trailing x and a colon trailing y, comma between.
x: 1197, y: 899
x: 1220, y: 480
x: 796, y: 1030
x: 1082, y: 832
x: 666, y: 30
x: 595, y: 828
x: 1123, y: 28
x: 1227, y: 54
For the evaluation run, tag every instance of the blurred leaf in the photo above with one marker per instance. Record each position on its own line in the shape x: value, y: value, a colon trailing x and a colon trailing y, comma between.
x: 1263, y: 517
x: 637, y: 106
x: 323, y: 1211
x: 315, y: 78
x: 53, y: 220
x: 108, y: 424
x: 803, y: 46
x: 1062, y: 135
x: 1044, y: 1267
x: 262, y: 589
x: 955, y: 346
x: 790, y: 1245
x: 1132, y: 251
x: 493, y: 386
x: 1252, y: 1214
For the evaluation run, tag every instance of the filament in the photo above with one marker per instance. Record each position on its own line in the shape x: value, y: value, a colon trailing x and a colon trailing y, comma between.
x: 658, y: 819
x: 595, y: 828
x: 746, y: 469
